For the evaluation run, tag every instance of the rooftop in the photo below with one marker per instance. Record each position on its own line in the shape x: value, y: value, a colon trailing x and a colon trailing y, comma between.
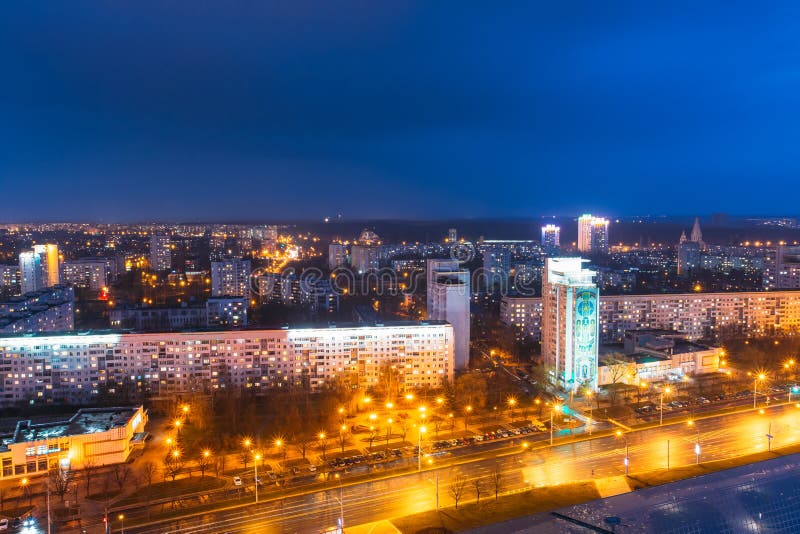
x: 85, y: 421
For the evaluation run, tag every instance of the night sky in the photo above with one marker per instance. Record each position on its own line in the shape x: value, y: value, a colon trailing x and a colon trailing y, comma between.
x: 268, y: 110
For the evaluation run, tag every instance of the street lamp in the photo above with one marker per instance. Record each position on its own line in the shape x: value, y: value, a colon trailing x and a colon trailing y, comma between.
x: 667, y: 390
x: 422, y: 430
x: 589, y: 402
x: 557, y: 407
x: 696, y: 443
x: 759, y: 376
x: 627, y: 458
x: 341, y: 503
x: 278, y: 445
x: 121, y: 518
x: 466, y: 417
x: 257, y: 458
x: 511, y: 403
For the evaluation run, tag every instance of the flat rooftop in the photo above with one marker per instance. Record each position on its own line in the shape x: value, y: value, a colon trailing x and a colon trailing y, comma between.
x: 332, y: 326
x: 85, y: 421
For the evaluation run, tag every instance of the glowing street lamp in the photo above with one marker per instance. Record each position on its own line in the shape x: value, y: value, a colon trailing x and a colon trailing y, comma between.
x: 257, y: 458
x: 121, y: 518
x: 759, y: 376
x: 422, y: 430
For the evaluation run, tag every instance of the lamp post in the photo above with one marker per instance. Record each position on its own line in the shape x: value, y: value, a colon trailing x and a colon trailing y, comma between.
x: 664, y: 391
x: 589, y: 401
x: 419, y: 448
x: 759, y: 376
x: 627, y: 459
x: 279, y: 444
x: 341, y: 503
x: 511, y: 403
x: 256, y: 459
x: 552, y: 411
x: 121, y: 518
x: 696, y: 443
x: 466, y: 417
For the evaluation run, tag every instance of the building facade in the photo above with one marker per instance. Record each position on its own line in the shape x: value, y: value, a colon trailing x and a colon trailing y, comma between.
x: 231, y: 278
x: 448, y: 299
x: 50, y: 309
x: 75, y: 367
x: 160, y: 253
x: 88, y: 273
x: 698, y: 315
x: 551, y: 238
x: 226, y: 311
x: 570, y: 323
x: 98, y: 436
x: 30, y: 270
x: 782, y: 268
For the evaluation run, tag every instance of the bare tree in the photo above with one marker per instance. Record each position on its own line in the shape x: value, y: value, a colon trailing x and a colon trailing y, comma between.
x: 458, y: 484
x: 342, y: 439
x: 403, y: 427
x: 203, y: 461
x: 496, y: 479
x: 303, y: 443
x: 477, y: 485
x: 373, y: 434
x: 89, y: 469
x: 172, y: 465
x: 121, y: 473
x: 59, y: 481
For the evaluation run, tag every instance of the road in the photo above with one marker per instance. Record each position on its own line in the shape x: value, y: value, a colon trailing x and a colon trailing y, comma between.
x: 719, y: 437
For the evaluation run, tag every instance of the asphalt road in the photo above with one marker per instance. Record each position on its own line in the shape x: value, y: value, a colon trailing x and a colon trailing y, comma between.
x: 719, y: 437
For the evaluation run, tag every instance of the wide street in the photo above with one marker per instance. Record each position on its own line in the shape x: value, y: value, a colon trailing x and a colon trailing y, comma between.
x: 718, y: 437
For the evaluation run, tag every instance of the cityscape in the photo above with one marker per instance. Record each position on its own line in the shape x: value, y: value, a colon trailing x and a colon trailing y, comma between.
x: 319, y: 268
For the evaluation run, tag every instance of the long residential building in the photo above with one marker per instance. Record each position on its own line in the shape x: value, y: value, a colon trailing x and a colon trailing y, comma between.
x: 74, y: 368
x: 699, y: 315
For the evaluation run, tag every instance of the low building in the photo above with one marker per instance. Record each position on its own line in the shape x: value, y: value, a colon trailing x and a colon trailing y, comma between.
x: 146, y: 319
x: 100, y: 436
x: 226, y: 311
x: 656, y: 355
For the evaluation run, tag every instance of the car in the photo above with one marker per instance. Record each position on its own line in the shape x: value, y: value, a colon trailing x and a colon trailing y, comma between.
x: 397, y: 452
x: 237, y: 481
x: 296, y: 470
x: 258, y: 481
x: 312, y: 468
x: 4, y: 524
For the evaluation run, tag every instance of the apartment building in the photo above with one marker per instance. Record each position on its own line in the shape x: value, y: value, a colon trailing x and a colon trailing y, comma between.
x: 74, y: 367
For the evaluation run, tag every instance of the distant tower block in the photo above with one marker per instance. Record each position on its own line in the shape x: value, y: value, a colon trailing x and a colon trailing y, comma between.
x: 452, y: 235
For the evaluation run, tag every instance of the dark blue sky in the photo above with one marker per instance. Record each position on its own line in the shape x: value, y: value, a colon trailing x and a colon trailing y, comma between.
x: 268, y: 110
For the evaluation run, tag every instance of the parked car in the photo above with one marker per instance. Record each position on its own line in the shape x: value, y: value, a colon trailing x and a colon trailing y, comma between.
x: 237, y: 481
x: 312, y: 468
x: 4, y: 524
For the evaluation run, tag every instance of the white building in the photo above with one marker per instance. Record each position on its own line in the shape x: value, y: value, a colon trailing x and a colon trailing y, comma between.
x: 570, y: 325
x: 30, y: 269
x: 699, y: 315
x: 592, y: 234
x: 551, y: 237
x: 89, y: 273
x: 72, y: 368
x: 231, y: 278
x: 101, y: 436
x: 448, y: 299
x: 160, y: 253
x: 337, y: 255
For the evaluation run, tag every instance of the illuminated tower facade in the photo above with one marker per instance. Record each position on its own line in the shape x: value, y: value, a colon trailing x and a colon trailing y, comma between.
x: 570, y: 323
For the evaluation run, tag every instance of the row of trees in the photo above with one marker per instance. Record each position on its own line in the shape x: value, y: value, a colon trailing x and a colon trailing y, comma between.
x: 460, y: 485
